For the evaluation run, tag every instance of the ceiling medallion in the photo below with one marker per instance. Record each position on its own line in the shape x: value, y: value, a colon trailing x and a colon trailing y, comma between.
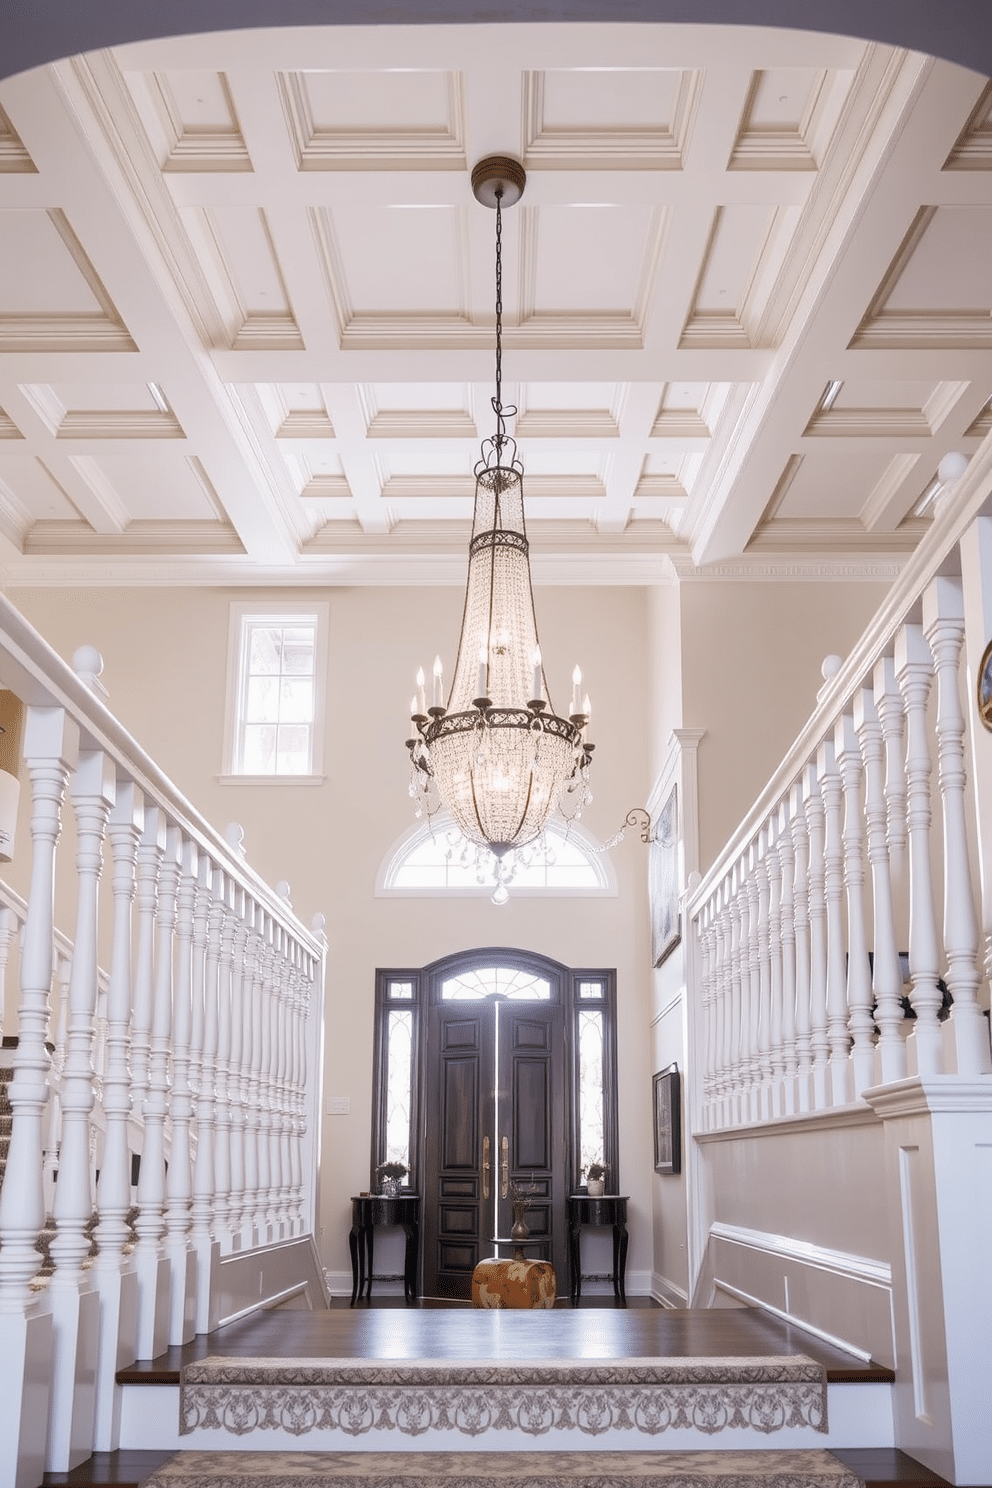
x: 497, y: 756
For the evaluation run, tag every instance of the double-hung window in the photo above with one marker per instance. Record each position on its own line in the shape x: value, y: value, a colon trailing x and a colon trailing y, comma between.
x: 276, y: 719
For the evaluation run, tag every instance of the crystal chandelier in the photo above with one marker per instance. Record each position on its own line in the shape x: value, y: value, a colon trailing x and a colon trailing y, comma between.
x: 497, y: 756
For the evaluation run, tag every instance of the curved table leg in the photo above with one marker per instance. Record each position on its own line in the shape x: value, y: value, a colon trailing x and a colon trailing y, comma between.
x: 357, y: 1248
x: 620, y: 1238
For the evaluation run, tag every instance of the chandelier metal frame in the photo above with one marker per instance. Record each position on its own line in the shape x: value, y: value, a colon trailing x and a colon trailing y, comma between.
x: 499, y: 761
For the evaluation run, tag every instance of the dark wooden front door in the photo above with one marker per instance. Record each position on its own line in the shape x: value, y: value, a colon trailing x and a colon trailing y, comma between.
x: 495, y: 1114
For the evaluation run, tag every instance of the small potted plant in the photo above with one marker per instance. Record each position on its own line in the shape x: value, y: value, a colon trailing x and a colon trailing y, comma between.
x: 390, y: 1175
x: 596, y: 1179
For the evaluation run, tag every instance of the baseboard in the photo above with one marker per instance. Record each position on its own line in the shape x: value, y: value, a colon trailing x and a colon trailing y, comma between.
x: 667, y: 1293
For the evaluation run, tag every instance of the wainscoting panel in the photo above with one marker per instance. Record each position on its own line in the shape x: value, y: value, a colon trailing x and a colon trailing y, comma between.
x: 843, y: 1297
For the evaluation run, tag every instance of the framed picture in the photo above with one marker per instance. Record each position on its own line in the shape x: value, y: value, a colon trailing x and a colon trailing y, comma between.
x: 663, y: 872
x: 667, y: 1121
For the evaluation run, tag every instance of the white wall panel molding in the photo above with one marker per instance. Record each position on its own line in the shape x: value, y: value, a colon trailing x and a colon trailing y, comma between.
x: 843, y: 1263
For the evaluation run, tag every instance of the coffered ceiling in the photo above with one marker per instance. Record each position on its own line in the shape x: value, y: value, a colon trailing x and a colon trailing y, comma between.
x: 246, y: 301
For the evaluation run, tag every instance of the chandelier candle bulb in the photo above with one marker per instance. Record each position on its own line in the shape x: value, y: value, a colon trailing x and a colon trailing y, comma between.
x: 576, y: 686
x: 537, y: 682
x: 481, y: 681
x: 421, y: 693
x: 438, y: 683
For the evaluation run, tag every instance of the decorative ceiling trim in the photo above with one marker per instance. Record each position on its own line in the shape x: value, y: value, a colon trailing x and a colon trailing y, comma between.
x: 179, y: 538
x: 432, y: 423
x: 408, y: 148
x: 566, y: 423
x: 768, y: 147
x: 119, y: 424
x: 192, y: 148
x: 919, y: 329
x: 8, y: 429
x: 973, y: 150
x: 839, y: 535
x: 869, y: 423
x: 608, y: 147
x: 14, y: 158
x: 306, y: 423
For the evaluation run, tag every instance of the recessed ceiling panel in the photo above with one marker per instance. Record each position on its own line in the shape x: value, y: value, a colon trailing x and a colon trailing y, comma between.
x: 590, y: 259
x: 13, y: 156
x: 938, y: 289
x: 402, y: 260
x: 634, y: 117
x: 191, y: 120
x: 832, y: 485
x: 789, y: 117
x: 375, y: 120
x: 169, y: 488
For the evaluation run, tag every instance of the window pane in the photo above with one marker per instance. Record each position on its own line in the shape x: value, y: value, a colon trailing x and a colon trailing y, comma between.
x: 295, y: 700
x: 591, y: 1131
x: 401, y: 990
x: 263, y: 655
x: 260, y: 749
x: 590, y: 989
x: 398, y: 1087
x: 520, y: 986
x: 263, y: 700
x: 297, y: 654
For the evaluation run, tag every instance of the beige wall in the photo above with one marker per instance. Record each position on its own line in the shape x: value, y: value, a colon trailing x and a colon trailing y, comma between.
x: 166, y: 653
x: 751, y: 655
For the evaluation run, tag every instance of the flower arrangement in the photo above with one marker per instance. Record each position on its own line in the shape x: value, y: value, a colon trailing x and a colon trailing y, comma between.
x: 597, y: 1170
x: 394, y: 1170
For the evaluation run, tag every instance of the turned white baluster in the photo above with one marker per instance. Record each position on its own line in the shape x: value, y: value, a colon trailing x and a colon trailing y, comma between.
x: 206, y: 956
x: 738, y: 912
x: 859, y: 991
x: 252, y: 1064
x: 263, y: 1217
x: 51, y: 743
x: 281, y: 1080
x: 8, y: 926
x: 53, y: 1116
x: 831, y: 790
x: 150, y: 851
x: 704, y: 925
x: 800, y: 899
x: 886, y: 975
x: 752, y: 981
x: 153, y: 1317
x: 943, y: 620
x: 892, y: 715
x: 722, y: 900
x: 765, y: 1036
x: 224, y: 907
x: 179, y: 1178
x: 786, y: 940
x: 816, y: 879
x: 776, y: 1011
x: 237, y: 1079
x: 914, y: 672
x: 92, y: 789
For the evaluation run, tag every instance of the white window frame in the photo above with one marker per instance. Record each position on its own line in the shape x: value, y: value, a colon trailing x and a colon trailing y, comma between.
x: 281, y: 614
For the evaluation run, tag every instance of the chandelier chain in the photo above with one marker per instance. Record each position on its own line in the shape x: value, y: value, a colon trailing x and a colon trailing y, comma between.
x: 498, y: 400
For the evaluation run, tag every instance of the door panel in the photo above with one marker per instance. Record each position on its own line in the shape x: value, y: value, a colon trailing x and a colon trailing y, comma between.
x: 459, y: 1101
x: 478, y: 1092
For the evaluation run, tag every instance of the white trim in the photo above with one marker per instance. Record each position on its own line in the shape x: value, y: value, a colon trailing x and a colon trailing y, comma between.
x: 242, y: 610
x: 788, y: 1317
x: 838, y: 1262
x: 270, y: 779
x: 598, y: 860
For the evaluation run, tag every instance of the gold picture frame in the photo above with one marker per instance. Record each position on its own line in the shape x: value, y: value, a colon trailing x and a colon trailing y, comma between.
x: 984, y: 688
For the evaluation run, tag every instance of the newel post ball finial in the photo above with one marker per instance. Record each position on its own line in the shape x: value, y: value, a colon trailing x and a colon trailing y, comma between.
x: 87, y: 663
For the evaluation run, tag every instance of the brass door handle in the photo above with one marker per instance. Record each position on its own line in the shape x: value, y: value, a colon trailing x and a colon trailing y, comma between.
x: 485, y: 1167
x: 505, y: 1167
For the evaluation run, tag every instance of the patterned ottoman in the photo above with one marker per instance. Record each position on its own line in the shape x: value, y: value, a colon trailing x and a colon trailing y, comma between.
x: 497, y: 1283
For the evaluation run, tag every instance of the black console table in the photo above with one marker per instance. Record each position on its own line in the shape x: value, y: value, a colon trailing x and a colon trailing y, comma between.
x: 369, y: 1210
x: 611, y: 1209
